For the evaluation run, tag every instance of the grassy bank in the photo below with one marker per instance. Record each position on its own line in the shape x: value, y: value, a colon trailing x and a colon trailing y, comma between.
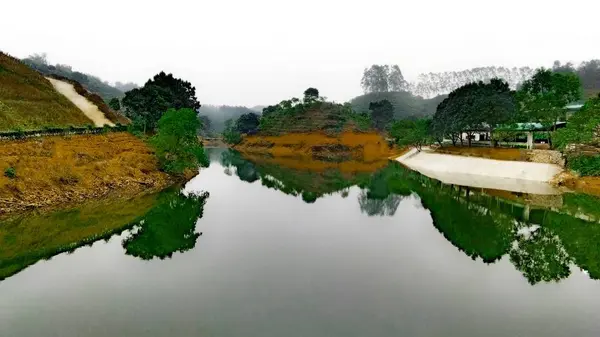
x: 38, y: 173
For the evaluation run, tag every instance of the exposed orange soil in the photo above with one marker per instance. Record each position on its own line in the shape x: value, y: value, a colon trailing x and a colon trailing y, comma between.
x: 298, y: 163
x: 61, y: 170
x: 486, y: 152
x: 363, y: 146
x: 588, y: 185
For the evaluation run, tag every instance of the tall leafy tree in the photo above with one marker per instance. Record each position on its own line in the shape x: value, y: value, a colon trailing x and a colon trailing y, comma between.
x: 157, y: 96
x: 114, y: 104
x: 247, y: 123
x: 411, y: 133
x: 176, y: 142
x: 473, y: 107
x: 375, y: 79
x: 543, y: 98
x: 396, y: 81
x: 310, y: 95
x: 382, y: 113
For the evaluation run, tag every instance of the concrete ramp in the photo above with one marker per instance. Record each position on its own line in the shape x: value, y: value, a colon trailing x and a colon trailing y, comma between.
x: 513, y: 176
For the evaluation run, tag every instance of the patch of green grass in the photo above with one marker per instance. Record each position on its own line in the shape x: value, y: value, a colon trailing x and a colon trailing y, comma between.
x: 585, y: 165
x: 10, y: 173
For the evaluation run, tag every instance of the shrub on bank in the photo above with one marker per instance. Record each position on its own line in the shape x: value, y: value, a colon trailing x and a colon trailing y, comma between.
x: 585, y: 165
x: 10, y: 173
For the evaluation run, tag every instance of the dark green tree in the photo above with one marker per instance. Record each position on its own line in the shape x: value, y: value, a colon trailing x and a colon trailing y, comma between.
x: 310, y: 95
x: 543, y: 98
x: 114, y: 104
x: 414, y: 133
x: 474, y: 107
x: 176, y: 142
x: 382, y: 113
x: 168, y: 227
x: 247, y: 123
x: 157, y: 96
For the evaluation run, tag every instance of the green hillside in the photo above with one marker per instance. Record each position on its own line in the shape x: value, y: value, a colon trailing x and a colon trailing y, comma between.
x: 28, y: 100
x: 310, y: 117
x: 406, y: 105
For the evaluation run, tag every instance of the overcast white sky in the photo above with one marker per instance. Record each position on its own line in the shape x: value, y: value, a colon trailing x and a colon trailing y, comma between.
x: 248, y: 52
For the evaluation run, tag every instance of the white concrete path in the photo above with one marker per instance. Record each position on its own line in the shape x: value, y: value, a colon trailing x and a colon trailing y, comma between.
x: 513, y: 176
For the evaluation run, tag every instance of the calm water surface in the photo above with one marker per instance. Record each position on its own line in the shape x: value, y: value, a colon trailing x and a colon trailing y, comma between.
x: 292, y: 248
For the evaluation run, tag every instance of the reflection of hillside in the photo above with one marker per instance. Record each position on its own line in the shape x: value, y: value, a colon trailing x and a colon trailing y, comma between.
x: 304, y: 177
x: 486, y: 224
x: 165, y: 224
x: 27, y: 239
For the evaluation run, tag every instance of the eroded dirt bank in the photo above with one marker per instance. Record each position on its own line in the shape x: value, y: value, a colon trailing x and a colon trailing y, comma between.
x: 345, y: 146
x: 67, y: 170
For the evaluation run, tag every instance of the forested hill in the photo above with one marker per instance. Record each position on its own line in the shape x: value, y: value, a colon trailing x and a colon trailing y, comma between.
x: 214, y: 117
x: 90, y: 82
x: 29, y: 101
x: 406, y: 105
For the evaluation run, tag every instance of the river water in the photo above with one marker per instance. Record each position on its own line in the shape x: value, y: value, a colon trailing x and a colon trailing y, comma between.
x: 283, y: 247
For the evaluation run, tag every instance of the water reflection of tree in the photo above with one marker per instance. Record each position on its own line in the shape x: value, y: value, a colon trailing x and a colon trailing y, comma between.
x: 381, y: 207
x: 478, y: 224
x: 540, y: 256
x: 168, y: 227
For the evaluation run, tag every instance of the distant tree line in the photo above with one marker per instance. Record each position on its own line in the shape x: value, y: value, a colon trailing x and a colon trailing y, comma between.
x: 486, y: 106
x: 388, y: 78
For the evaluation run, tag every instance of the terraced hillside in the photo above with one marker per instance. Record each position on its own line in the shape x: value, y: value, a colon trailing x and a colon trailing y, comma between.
x: 327, y: 117
x: 29, y: 101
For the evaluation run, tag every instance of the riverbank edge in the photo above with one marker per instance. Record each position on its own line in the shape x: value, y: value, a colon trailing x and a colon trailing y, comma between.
x: 114, y: 165
x: 564, y: 179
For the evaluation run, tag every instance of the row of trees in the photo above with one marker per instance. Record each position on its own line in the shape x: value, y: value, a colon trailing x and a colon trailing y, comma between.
x: 480, y: 106
x: 386, y: 78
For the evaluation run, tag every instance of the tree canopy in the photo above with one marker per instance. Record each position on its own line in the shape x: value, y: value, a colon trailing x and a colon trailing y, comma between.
x: 543, y: 97
x: 157, y: 96
x: 473, y: 107
x: 411, y: 133
x: 383, y: 78
x: 311, y: 94
x: 382, y: 113
x: 114, y: 104
x: 588, y: 72
x: 248, y: 123
x: 176, y: 142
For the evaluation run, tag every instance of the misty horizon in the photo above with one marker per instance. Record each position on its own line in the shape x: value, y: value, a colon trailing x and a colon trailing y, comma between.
x: 237, y: 53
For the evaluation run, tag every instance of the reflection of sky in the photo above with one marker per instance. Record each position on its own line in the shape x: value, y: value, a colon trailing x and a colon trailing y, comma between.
x: 270, y: 264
